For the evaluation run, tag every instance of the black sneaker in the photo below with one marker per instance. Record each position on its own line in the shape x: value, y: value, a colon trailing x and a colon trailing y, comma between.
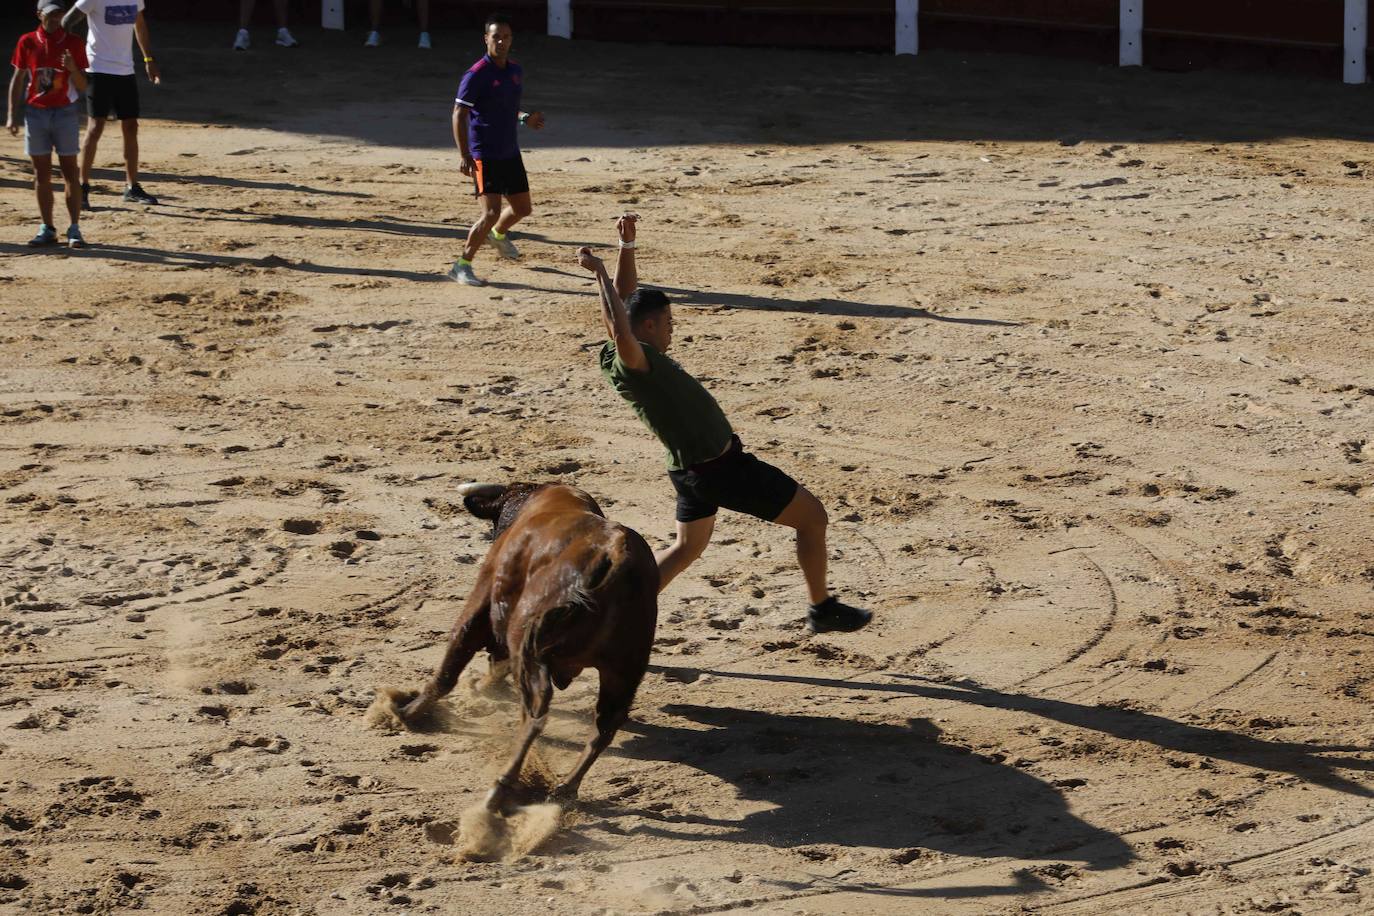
x: 832, y: 614
x: 85, y: 195
x: 135, y: 194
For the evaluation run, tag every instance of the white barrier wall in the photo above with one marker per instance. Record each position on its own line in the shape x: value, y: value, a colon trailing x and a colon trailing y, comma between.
x: 907, y: 13
x: 560, y: 18
x: 331, y: 14
x: 1132, y: 26
x: 1356, y: 40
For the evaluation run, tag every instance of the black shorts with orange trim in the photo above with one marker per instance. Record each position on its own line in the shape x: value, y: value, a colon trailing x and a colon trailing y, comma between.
x: 500, y: 176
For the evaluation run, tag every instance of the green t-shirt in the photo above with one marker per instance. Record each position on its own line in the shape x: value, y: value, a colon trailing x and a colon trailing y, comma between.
x: 675, y: 406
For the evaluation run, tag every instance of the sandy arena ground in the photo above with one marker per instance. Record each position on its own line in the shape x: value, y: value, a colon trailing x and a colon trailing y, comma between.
x: 1079, y: 360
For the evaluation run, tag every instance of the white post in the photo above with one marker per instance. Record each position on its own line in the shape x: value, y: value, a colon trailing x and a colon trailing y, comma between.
x: 331, y: 14
x: 1356, y: 39
x: 560, y: 18
x: 907, y: 12
x: 1132, y: 26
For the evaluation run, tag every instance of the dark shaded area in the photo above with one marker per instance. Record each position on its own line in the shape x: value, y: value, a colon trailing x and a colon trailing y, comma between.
x: 735, y: 95
x: 1308, y: 762
x: 198, y: 260
x: 838, y: 307
x: 841, y: 782
x: 382, y: 224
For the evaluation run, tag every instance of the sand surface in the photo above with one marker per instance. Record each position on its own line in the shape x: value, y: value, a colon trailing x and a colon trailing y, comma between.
x: 1079, y: 360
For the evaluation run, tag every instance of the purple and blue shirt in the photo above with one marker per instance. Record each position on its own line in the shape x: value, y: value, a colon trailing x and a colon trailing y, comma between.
x: 491, y: 94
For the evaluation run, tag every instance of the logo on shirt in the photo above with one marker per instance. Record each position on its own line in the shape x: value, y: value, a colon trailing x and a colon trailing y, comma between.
x: 121, y: 15
x: 46, y: 79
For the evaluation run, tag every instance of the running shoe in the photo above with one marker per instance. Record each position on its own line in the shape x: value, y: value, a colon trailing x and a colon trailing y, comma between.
x: 374, y: 39
x: 504, y: 247
x: 425, y: 44
x: 286, y: 40
x: 85, y: 195
x: 462, y: 273
x: 47, y: 235
x: 74, y: 239
x: 832, y: 614
x: 135, y: 194
x: 242, y: 41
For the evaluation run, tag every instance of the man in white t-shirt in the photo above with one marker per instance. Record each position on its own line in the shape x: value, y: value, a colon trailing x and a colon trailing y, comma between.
x: 113, y: 26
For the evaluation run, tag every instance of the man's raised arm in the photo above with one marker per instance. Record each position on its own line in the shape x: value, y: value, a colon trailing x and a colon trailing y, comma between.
x: 73, y: 17
x: 613, y: 313
x: 626, y: 271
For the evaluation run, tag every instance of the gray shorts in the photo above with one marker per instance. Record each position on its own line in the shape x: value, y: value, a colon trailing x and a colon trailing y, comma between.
x: 48, y: 129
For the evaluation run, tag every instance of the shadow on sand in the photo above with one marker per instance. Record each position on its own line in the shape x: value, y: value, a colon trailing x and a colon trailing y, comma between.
x: 1311, y: 763
x: 840, y: 782
x: 843, y: 308
x: 195, y: 260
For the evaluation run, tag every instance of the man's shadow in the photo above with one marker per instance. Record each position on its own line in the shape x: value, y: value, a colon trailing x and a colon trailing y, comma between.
x: 840, y: 782
x: 1313, y: 763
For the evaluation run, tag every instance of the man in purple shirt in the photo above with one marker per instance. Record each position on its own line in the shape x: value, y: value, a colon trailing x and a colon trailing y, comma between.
x: 485, y: 118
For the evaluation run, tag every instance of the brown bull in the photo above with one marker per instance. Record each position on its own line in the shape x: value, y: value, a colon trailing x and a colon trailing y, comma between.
x: 562, y: 589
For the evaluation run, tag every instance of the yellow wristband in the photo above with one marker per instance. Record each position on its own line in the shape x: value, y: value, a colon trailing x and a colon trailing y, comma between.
x: 148, y: 60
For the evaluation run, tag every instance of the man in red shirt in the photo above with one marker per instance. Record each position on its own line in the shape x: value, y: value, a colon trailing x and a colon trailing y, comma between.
x: 53, y: 64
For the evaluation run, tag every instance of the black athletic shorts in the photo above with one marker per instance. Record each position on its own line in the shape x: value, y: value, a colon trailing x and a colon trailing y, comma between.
x: 112, y: 96
x: 737, y: 481
x: 501, y: 176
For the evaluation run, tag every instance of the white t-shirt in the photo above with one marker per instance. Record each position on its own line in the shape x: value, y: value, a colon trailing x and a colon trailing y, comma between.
x: 110, y: 44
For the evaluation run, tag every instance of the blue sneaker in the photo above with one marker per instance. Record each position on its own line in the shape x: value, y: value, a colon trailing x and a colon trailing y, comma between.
x: 74, y: 239
x: 47, y: 235
x: 504, y: 247
x: 462, y: 273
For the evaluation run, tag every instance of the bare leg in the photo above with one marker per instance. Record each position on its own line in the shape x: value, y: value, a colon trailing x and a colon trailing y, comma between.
x: 692, y: 538
x: 376, y: 9
x: 94, y: 128
x: 612, y: 709
x: 471, y: 633
x: 129, y: 127
x: 477, y: 235
x: 246, y: 12
x: 422, y: 10
x: 42, y: 186
x: 281, y: 14
x: 806, y: 514
x: 71, y: 186
x: 536, y: 690
x: 517, y: 208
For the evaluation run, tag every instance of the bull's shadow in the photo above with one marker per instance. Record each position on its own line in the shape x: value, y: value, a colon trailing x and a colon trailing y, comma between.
x: 842, y: 782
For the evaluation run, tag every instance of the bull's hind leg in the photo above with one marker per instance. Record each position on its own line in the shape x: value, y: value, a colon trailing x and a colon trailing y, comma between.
x: 536, y: 689
x: 471, y: 633
x: 612, y: 709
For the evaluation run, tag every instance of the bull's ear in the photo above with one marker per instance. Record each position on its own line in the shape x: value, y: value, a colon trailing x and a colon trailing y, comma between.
x: 483, y: 500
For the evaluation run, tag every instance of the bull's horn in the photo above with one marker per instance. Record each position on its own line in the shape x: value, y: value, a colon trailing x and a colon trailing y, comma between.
x: 469, y: 489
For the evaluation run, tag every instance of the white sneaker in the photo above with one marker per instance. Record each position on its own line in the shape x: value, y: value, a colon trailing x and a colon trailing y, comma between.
x: 286, y: 40
x: 504, y: 247
x: 374, y: 39
x: 463, y: 274
x: 424, y: 41
x: 242, y: 41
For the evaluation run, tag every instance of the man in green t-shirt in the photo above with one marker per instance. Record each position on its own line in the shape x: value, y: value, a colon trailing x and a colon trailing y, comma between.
x: 706, y: 462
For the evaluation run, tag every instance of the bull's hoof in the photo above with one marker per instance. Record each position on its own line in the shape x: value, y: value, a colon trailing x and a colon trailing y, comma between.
x: 390, y: 711
x: 413, y: 711
x: 565, y: 794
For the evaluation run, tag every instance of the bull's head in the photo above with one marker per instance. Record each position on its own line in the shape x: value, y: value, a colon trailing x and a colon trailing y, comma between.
x: 498, y: 503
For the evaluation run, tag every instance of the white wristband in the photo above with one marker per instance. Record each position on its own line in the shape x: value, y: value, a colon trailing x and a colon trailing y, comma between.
x: 627, y: 244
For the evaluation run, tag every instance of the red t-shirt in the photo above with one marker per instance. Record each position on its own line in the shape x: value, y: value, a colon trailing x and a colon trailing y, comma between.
x: 50, y: 85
